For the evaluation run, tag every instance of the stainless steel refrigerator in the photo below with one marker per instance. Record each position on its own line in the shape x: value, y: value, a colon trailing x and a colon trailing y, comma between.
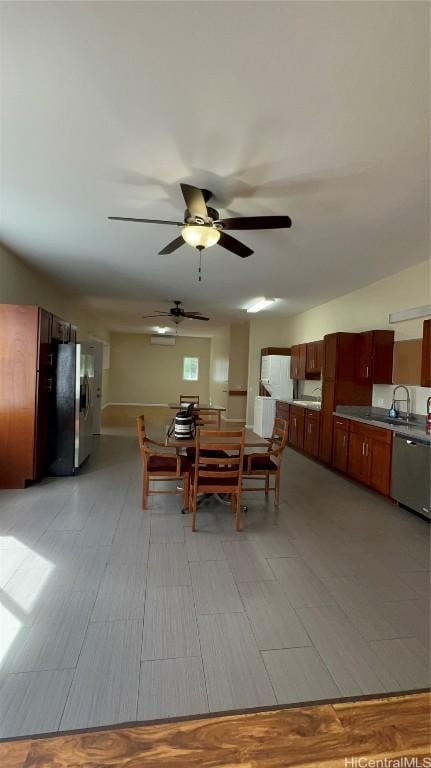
x: 75, y: 399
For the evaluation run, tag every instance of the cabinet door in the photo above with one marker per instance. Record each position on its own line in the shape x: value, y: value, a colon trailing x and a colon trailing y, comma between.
x: 45, y: 396
x: 311, y: 434
x: 380, y: 466
x: 294, y: 360
x: 330, y: 356
x: 310, y: 357
x: 365, y: 359
x: 340, y: 448
x: 282, y: 410
x: 314, y: 353
x: 426, y: 354
x: 296, y: 426
x: 359, y: 457
x: 60, y: 330
x: 302, y: 364
x: 318, y: 356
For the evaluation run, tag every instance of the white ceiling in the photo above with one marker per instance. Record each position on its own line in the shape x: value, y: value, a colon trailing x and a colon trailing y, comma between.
x: 318, y: 110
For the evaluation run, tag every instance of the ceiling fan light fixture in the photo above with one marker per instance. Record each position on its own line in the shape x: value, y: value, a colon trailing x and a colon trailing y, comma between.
x: 260, y: 304
x: 200, y: 236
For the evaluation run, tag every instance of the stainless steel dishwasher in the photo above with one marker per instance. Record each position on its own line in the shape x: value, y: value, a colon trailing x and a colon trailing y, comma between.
x: 411, y: 474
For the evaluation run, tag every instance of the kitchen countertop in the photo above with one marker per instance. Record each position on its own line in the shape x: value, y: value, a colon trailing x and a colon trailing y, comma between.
x: 415, y: 431
x: 312, y: 405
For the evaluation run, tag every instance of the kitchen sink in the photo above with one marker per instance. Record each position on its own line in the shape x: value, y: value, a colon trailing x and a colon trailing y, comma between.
x: 391, y: 420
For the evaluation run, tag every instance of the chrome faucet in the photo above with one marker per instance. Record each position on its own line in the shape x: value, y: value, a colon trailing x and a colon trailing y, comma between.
x: 319, y: 390
x: 404, y: 400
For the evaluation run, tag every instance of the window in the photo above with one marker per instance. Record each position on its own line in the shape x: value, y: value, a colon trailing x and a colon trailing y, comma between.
x: 191, y: 369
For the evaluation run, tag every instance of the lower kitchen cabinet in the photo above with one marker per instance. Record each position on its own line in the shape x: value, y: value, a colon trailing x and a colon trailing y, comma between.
x: 282, y: 410
x: 370, y: 455
x: 340, y: 448
x: 311, y: 432
x: 296, y: 426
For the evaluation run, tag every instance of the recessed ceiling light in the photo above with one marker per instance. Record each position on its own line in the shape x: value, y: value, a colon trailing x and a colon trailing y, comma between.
x: 261, y: 304
x: 161, y: 329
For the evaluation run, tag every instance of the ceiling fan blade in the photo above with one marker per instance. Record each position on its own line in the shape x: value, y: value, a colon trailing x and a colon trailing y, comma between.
x: 192, y: 316
x: 172, y: 246
x: 257, y: 222
x: 234, y: 245
x: 195, y: 200
x: 159, y: 314
x: 147, y: 221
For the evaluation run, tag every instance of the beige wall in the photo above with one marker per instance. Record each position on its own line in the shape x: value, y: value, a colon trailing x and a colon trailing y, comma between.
x: 238, y: 368
x: 360, y: 310
x: 145, y: 373
x: 264, y: 332
x: 366, y: 308
x: 219, y: 368
x: 19, y: 284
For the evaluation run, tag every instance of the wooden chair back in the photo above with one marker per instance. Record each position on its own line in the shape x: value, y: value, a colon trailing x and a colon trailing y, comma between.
x: 140, y: 426
x: 186, y: 399
x: 208, y: 417
x: 279, y: 437
x: 221, y: 473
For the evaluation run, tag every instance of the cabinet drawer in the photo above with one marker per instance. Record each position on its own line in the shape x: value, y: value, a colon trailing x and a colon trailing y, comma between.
x: 371, y: 432
x: 282, y: 410
x: 312, y: 414
x: 341, y: 423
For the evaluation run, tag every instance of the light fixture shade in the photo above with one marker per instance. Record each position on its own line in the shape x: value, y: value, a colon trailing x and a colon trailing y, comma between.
x: 260, y: 304
x: 198, y: 235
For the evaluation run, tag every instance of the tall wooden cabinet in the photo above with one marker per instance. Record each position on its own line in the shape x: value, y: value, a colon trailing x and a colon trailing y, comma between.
x: 426, y: 355
x: 28, y: 343
x: 340, y: 384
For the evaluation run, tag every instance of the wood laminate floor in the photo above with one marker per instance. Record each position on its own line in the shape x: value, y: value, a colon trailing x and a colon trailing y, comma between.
x: 109, y: 614
x: 334, y: 735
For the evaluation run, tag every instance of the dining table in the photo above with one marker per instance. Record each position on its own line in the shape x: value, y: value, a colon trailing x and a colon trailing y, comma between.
x: 251, y: 440
x: 196, y: 407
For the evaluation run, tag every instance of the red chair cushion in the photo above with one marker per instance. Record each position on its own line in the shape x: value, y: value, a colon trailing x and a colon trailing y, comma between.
x: 261, y: 463
x: 167, y: 464
x: 191, y: 453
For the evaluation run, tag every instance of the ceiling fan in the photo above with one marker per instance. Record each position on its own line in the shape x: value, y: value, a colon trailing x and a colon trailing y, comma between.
x: 177, y: 314
x: 202, y: 226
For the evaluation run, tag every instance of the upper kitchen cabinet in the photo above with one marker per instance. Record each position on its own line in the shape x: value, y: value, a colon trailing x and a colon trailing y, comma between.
x: 314, y: 355
x: 426, y: 355
x: 60, y: 330
x: 375, y: 356
x: 298, y: 361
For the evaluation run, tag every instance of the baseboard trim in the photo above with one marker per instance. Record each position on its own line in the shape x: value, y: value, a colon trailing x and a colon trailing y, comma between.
x: 140, y: 405
x: 236, y: 421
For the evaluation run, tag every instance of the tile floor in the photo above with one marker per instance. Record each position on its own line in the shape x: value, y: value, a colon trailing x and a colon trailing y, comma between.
x: 109, y: 614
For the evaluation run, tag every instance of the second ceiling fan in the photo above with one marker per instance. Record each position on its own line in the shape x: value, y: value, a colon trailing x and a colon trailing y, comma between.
x: 202, y: 226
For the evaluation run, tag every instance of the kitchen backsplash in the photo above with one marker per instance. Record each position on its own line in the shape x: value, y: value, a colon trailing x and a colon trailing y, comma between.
x: 382, y: 397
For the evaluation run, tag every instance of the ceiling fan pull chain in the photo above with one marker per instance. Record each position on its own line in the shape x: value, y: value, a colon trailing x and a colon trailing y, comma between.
x: 200, y: 265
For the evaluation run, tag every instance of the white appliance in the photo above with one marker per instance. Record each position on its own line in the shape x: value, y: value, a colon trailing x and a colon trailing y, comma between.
x: 264, y: 415
x: 275, y: 376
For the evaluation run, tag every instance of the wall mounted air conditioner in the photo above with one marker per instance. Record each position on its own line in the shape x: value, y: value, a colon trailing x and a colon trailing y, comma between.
x: 165, y: 341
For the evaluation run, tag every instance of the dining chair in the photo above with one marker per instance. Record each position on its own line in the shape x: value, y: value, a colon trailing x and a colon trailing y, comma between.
x: 161, y: 466
x: 218, y: 474
x: 208, y: 417
x: 187, y: 399
x: 268, y: 463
